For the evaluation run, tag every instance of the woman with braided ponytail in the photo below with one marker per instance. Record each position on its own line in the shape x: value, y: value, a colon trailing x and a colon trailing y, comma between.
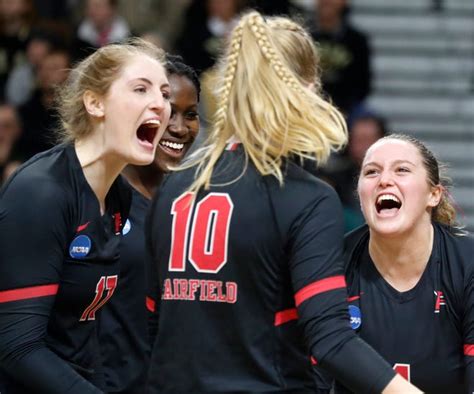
x: 247, y: 246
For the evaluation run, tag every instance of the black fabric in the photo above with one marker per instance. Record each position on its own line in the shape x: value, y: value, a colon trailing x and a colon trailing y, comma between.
x: 123, y: 329
x: 48, y: 343
x: 218, y: 329
x: 411, y: 327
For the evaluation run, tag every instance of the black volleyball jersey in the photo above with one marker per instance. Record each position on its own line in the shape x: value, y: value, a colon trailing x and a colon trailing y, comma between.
x: 251, y: 285
x: 426, y: 333
x: 58, y: 267
x: 123, y: 329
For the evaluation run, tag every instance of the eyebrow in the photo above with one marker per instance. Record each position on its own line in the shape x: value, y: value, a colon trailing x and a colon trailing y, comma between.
x: 372, y: 163
x: 146, y: 80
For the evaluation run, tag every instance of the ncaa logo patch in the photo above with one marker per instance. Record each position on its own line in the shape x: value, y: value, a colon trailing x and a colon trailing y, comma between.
x: 127, y: 227
x: 356, y: 316
x: 80, y: 247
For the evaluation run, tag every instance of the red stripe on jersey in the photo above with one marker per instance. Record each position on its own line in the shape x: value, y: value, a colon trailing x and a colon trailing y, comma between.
x: 82, y: 227
x: 313, y: 361
x: 26, y: 293
x: 469, y: 350
x: 285, y: 316
x: 318, y: 287
x: 150, y: 304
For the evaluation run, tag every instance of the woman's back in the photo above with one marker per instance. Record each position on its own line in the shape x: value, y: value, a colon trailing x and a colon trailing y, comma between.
x: 227, y: 293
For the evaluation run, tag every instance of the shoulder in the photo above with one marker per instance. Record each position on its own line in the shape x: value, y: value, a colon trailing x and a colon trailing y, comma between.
x: 44, y: 178
x: 455, y: 248
x: 354, y: 243
x: 297, y: 178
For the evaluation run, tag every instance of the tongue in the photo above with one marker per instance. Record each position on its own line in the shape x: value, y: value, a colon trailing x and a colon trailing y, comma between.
x: 389, y: 211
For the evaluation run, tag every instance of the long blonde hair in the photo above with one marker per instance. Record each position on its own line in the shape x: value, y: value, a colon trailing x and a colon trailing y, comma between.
x: 269, y: 99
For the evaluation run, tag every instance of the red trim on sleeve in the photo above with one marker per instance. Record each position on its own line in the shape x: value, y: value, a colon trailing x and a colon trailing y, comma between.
x: 313, y: 361
x: 285, y: 316
x: 354, y: 298
x: 150, y: 304
x: 469, y: 350
x: 318, y: 287
x: 26, y: 293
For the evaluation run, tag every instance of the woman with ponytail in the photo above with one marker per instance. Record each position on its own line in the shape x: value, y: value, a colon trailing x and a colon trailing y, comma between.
x: 247, y: 246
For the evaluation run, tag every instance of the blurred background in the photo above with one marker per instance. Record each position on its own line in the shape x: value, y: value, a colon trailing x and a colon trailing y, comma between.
x: 390, y: 66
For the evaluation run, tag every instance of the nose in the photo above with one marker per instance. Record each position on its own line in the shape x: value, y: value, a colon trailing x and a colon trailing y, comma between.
x: 386, y: 179
x: 158, y: 103
x: 177, y: 124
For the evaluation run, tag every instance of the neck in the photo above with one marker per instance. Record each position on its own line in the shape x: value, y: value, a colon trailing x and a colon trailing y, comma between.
x: 100, y: 168
x: 144, y: 179
x: 402, y: 260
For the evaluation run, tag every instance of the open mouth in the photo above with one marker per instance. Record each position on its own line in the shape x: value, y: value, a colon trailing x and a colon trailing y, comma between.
x: 387, y: 204
x: 147, y: 131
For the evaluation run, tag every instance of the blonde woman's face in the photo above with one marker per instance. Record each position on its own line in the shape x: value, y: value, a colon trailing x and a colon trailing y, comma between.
x: 393, y: 188
x: 136, y: 111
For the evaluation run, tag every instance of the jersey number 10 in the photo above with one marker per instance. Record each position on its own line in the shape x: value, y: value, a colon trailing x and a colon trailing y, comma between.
x: 208, y: 238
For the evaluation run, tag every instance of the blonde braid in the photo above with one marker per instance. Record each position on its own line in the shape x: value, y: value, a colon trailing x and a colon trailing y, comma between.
x: 259, y: 30
x: 212, y: 150
x: 266, y: 101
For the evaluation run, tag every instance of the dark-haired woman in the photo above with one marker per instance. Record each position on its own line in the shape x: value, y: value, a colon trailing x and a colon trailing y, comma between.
x: 410, y: 270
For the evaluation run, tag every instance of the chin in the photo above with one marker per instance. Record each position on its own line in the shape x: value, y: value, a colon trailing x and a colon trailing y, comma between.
x: 389, y: 229
x: 142, y: 159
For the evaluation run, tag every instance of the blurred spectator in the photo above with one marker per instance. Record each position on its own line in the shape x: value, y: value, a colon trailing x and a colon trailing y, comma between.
x: 342, y: 170
x: 364, y: 131
x: 159, y: 18
x: 207, y: 23
x: 102, y: 24
x: 10, y: 131
x: 22, y: 79
x: 344, y: 53
x: 271, y: 7
x: 16, y: 21
x: 38, y: 114
x: 206, y: 26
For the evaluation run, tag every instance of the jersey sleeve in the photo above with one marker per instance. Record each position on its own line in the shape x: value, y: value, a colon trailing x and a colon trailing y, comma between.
x: 316, y: 245
x: 468, y: 321
x: 34, y: 219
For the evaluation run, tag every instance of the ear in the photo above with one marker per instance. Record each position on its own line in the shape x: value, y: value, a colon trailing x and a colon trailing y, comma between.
x: 435, y: 196
x: 93, y: 103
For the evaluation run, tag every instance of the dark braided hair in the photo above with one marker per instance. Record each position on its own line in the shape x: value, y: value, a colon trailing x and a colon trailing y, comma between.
x: 175, y: 66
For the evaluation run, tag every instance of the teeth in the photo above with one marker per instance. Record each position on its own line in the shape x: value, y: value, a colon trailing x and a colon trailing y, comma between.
x: 172, y: 145
x: 153, y: 121
x: 384, y: 197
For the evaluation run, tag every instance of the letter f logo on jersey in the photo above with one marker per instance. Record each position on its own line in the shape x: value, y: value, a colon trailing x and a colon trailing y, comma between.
x: 439, y: 300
